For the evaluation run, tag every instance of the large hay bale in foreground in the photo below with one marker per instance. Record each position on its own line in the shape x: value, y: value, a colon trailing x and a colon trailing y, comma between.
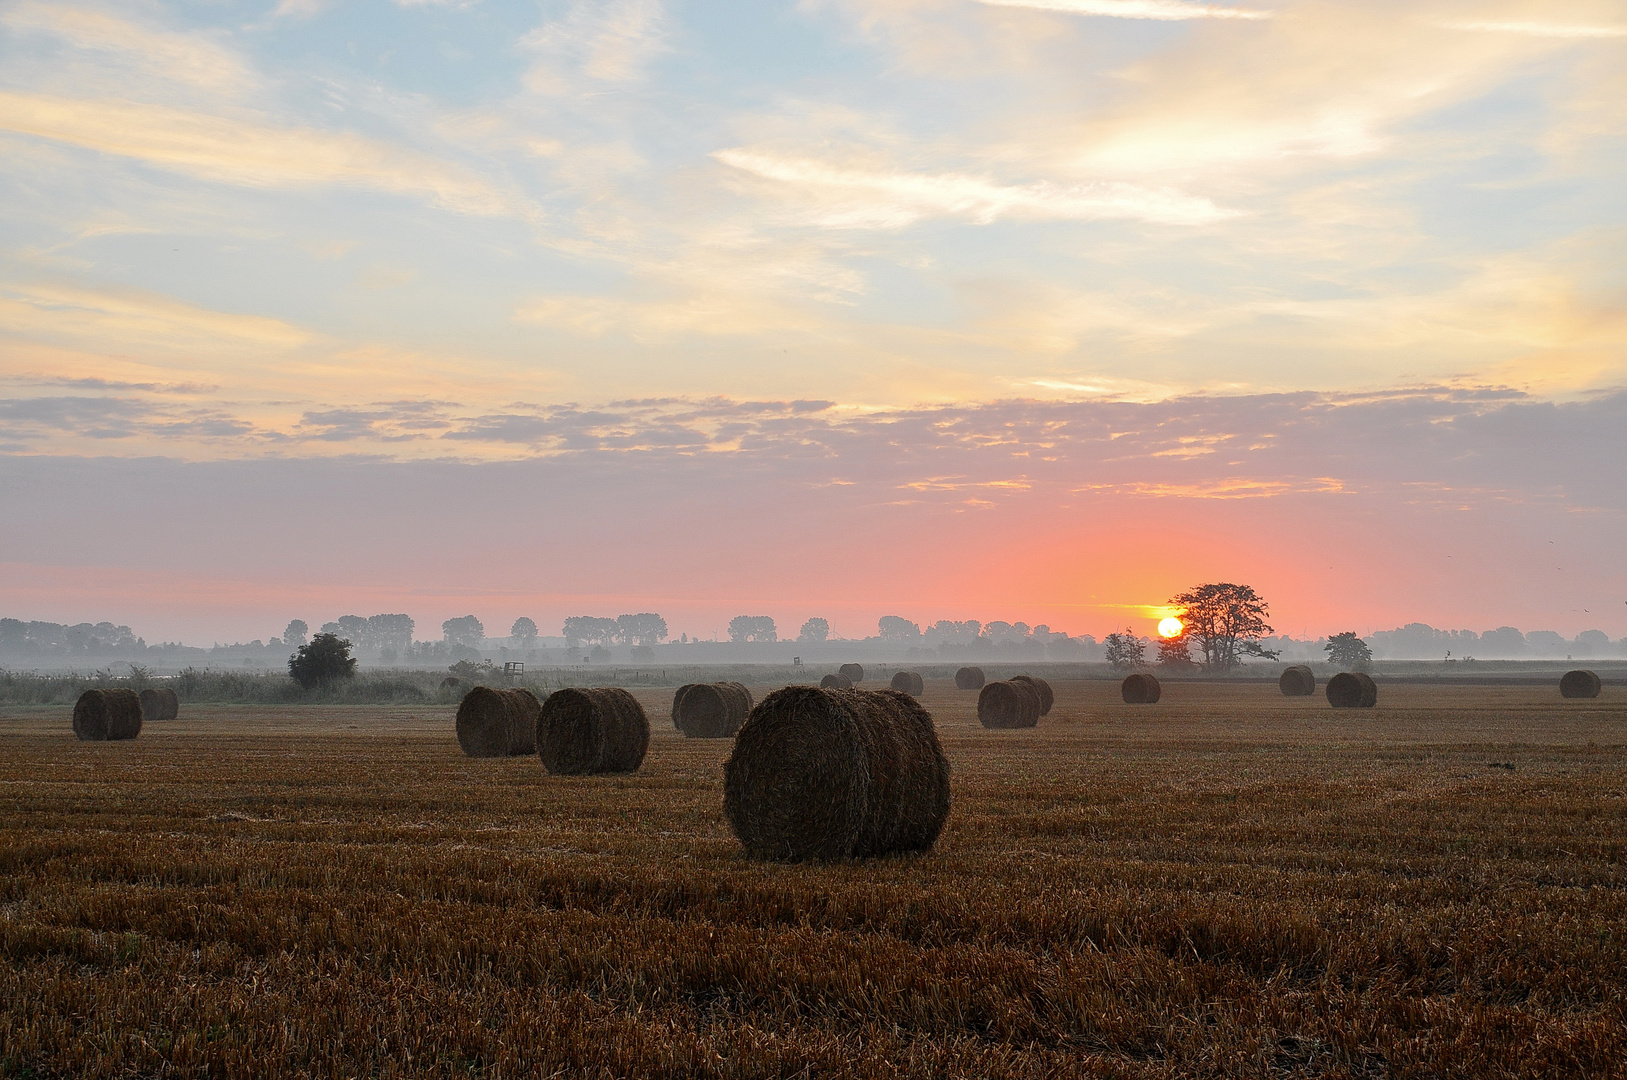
x: 834, y: 774
x: 1008, y: 704
x: 969, y: 678
x: 1140, y: 689
x: 710, y: 710
x: 909, y: 682
x: 836, y: 681
x: 498, y: 723
x: 854, y: 672
x: 1579, y: 684
x: 1352, y: 690
x: 107, y: 715
x: 600, y: 729
x: 159, y: 703
x: 1297, y: 681
x: 1047, y: 697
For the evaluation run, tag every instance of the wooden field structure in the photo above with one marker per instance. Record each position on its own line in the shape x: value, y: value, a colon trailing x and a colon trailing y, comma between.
x: 1226, y: 883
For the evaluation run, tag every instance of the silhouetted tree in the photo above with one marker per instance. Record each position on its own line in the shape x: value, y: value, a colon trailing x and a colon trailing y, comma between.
x: 524, y: 631
x: 294, y: 636
x: 1348, y: 651
x: 325, y: 661
x: 1175, y: 653
x: 815, y: 629
x: 1125, y: 651
x: 645, y: 628
x: 587, y: 629
x: 752, y: 628
x: 897, y: 628
x: 1227, y: 622
x: 467, y: 631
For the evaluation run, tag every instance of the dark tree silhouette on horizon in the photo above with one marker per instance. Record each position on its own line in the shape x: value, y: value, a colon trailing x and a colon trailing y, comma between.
x: 322, y: 663
x: 1226, y: 622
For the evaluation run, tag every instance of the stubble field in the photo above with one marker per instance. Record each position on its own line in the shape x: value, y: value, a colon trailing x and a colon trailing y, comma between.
x: 1228, y: 883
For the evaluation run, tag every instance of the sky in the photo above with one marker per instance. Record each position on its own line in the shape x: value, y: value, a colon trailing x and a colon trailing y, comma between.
x: 997, y: 309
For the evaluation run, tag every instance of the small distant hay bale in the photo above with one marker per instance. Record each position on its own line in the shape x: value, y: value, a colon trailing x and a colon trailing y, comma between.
x: 1047, y: 697
x: 909, y: 682
x: 711, y: 710
x: 969, y: 678
x: 1141, y: 689
x: 855, y: 672
x: 498, y: 723
x: 1297, y: 681
x: 834, y: 774
x: 159, y: 703
x: 585, y: 730
x: 1009, y: 703
x: 836, y: 681
x: 1352, y: 690
x: 107, y: 715
x: 1579, y: 684
x: 451, y: 682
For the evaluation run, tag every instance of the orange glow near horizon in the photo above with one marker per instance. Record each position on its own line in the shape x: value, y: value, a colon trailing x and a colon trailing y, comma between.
x: 1171, y: 627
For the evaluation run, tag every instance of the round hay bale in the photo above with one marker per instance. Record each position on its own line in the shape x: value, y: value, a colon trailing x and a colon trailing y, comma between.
x: 525, y: 714
x: 498, y: 723
x: 1047, y: 697
x: 451, y: 682
x: 1141, y: 689
x: 592, y: 730
x: 1352, y: 690
x: 969, y: 678
x: 909, y: 682
x: 836, y: 681
x: 1297, y: 681
x: 1579, y: 684
x: 1008, y: 704
x: 107, y: 715
x: 159, y: 703
x: 924, y: 806
x: 834, y: 774
x: 854, y: 672
x: 711, y: 710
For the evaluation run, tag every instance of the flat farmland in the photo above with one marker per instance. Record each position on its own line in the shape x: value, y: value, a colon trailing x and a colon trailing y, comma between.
x: 1227, y: 883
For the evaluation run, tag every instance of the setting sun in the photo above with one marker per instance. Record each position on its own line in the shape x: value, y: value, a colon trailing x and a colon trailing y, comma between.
x: 1171, y: 627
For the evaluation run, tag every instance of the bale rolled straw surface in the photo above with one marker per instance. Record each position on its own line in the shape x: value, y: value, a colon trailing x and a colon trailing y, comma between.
x: 836, y: 681
x: 1047, y: 697
x: 855, y: 672
x: 1579, y: 684
x: 909, y: 682
x: 592, y: 730
x: 1352, y: 690
x: 710, y: 710
x: 1141, y: 689
x: 1008, y: 704
x: 833, y: 774
x: 159, y: 703
x: 107, y: 715
x: 1297, y: 681
x: 498, y: 723
x: 969, y: 678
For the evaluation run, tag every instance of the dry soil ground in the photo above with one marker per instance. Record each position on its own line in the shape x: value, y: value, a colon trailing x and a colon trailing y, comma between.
x: 1228, y: 883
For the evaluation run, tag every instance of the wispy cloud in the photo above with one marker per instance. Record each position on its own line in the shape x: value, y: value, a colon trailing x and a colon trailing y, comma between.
x: 610, y: 41
x: 863, y: 198
x: 1164, y: 10
x: 1530, y: 29
x: 248, y: 151
x: 197, y: 59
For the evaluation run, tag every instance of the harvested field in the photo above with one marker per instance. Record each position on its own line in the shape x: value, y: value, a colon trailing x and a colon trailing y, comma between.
x: 1232, y: 884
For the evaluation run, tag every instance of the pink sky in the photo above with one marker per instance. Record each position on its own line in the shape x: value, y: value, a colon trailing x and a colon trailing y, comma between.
x: 1465, y: 510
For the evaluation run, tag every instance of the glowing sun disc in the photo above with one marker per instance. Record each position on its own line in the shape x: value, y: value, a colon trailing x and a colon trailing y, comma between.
x: 1171, y: 627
